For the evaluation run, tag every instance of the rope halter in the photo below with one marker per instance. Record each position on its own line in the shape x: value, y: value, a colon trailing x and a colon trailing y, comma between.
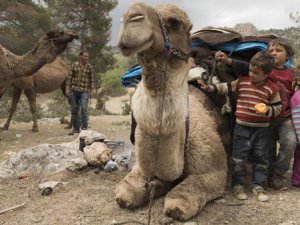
x: 170, y: 49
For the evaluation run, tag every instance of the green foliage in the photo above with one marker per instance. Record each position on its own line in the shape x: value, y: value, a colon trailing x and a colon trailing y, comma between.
x: 5, y: 102
x: 4, y: 107
x: 295, y: 17
x: 22, y: 24
x: 59, y: 106
x: 127, y: 105
x: 111, y: 84
x: 126, y: 108
x: 92, y: 20
x: 23, y: 113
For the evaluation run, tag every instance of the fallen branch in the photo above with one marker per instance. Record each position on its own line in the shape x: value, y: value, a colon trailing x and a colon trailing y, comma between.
x: 12, y: 208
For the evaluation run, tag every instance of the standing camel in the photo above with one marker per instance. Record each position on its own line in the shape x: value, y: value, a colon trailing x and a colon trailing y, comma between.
x: 45, y: 51
x: 177, y: 145
x: 45, y: 80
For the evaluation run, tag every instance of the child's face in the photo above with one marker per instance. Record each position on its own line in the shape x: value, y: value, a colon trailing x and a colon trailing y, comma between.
x: 256, y: 74
x: 279, y: 54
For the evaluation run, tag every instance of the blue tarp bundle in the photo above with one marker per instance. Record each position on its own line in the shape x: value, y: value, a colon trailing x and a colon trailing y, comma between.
x: 235, y: 47
x: 132, y: 76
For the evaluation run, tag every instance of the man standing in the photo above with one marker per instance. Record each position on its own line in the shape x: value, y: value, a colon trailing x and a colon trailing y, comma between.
x: 80, y: 85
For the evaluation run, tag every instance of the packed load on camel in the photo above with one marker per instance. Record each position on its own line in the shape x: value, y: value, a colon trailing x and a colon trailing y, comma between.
x: 205, y: 43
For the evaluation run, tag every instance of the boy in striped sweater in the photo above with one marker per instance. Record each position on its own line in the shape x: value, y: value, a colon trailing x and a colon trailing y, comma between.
x: 258, y: 101
x: 281, y: 127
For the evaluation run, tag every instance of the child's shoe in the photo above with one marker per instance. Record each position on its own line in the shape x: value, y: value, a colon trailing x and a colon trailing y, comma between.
x: 277, y: 182
x: 239, y: 192
x: 296, y: 185
x: 260, y: 193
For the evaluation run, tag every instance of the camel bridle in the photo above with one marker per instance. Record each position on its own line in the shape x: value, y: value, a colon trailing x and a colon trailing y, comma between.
x: 181, y: 55
x: 171, y: 50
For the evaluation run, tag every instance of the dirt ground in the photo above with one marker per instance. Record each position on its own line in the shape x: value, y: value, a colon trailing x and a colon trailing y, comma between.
x: 88, y: 196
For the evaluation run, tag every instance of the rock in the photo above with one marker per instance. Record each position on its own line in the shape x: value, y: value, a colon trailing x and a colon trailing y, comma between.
x: 97, y: 154
x: 77, y: 163
x: 190, y: 223
x: 51, y: 184
x: 91, y: 136
x: 48, y: 187
x: 42, y: 159
x: 8, y: 155
x: 50, y: 120
x: 111, y: 166
x: 23, y: 175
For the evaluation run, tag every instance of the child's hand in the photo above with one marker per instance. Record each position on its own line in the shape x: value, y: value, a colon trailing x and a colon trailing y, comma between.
x: 221, y: 56
x: 202, y: 84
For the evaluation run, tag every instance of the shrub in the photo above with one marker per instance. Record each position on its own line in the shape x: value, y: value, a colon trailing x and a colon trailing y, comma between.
x: 58, y: 106
x: 23, y: 113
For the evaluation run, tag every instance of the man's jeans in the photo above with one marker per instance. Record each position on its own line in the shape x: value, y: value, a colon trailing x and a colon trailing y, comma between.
x: 79, y: 99
x: 254, y: 143
x: 283, y: 131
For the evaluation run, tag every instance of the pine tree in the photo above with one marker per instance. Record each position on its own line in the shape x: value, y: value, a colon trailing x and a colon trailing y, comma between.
x: 92, y: 20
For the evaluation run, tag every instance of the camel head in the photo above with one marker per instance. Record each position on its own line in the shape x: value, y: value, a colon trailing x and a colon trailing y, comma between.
x: 144, y: 29
x: 60, y: 39
x: 53, y: 43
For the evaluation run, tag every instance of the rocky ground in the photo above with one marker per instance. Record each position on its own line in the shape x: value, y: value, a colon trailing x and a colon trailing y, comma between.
x: 87, y: 196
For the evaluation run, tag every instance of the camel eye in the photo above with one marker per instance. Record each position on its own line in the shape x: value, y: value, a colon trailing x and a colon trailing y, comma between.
x: 173, y: 22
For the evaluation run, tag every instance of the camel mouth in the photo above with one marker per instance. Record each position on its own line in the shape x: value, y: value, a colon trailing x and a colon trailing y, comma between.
x: 129, y: 49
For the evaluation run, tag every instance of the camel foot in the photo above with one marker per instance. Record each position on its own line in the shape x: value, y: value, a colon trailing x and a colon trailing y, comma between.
x: 5, y: 127
x: 181, y: 209
x: 131, y: 191
x: 35, y: 129
x: 130, y: 197
x: 165, y: 220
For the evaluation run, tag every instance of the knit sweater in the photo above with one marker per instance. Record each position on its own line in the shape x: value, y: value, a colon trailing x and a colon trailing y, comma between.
x: 283, y: 78
x: 249, y: 95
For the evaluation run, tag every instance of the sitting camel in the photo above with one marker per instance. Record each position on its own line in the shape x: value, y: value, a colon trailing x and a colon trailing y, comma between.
x: 45, y: 51
x: 47, y: 79
x: 178, y: 149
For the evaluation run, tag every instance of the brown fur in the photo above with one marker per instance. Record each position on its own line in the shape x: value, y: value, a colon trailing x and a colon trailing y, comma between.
x: 47, y: 79
x: 46, y: 50
x: 161, y: 105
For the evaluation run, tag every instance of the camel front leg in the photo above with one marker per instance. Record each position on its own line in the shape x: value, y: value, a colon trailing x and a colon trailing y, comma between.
x: 63, y: 89
x: 135, y: 188
x: 191, y: 195
x: 160, y: 156
x: 31, y: 97
x: 131, y: 191
x: 14, y: 102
